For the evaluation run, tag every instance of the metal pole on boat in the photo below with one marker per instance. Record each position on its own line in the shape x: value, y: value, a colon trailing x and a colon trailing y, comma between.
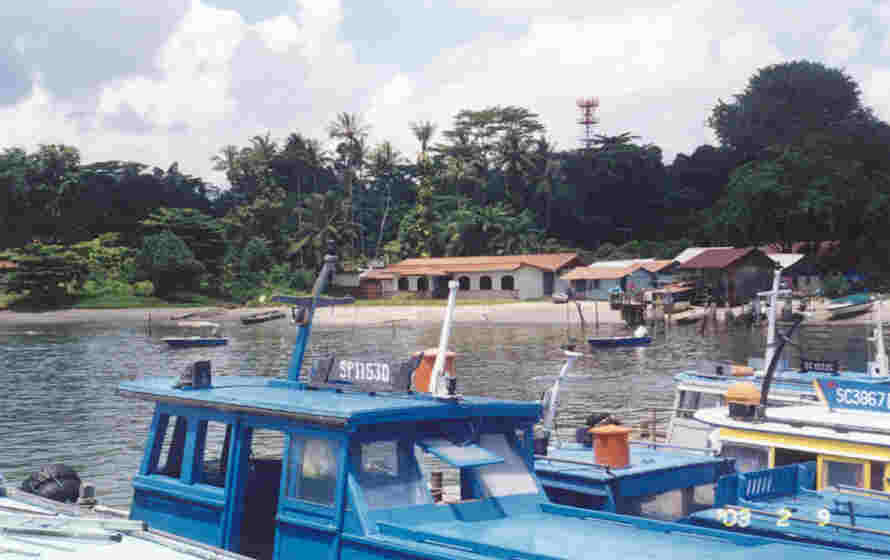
x: 305, y: 328
x: 881, y: 365
x: 441, y: 388
x: 549, y: 420
x: 771, y: 325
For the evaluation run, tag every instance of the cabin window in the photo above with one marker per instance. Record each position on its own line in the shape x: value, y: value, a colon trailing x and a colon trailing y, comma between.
x: 507, y: 283
x: 170, y: 459
x: 312, y: 470
x: 691, y: 401
x: 422, y: 284
x: 463, y: 283
x: 836, y: 471
x: 507, y: 478
x: 747, y: 457
x: 388, y: 474
x: 403, y: 284
x: 671, y: 505
x: 782, y: 457
x: 878, y: 476
x: 216, y: 452
x: 485, y: 283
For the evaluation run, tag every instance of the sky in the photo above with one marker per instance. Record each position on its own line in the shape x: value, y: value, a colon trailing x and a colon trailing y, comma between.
x: 176, y: 80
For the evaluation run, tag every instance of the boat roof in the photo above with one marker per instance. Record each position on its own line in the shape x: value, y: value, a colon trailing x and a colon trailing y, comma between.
x: 870, y: 513
x: 278, y: 397
x: 644, y: 459
x: 578, y: 534
x: 811, y: 422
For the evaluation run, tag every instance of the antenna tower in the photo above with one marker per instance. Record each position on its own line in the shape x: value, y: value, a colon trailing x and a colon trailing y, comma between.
x: 587, y: 106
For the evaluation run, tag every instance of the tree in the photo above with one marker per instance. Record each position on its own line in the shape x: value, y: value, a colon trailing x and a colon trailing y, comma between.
x: 782, y: 103
x: 203, y: 234
x: 46, y: 271
x: 423, y: 131
x: 168, y: 262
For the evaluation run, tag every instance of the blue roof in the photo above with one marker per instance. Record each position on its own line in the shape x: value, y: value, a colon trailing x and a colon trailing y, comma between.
x: 544, y: 535
x: 288, y: 399
x: 644, y: 459
x: 869, y: 513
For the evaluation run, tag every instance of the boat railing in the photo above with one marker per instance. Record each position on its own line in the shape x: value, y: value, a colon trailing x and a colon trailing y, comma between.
x: 863, y: 491
x: 648, y: 423
x: 757, y: 486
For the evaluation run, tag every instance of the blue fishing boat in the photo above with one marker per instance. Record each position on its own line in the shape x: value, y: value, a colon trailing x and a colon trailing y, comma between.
x: 336, y: 466
x: 603, y: 470
x: 782, y: 502
x: 640, y: 337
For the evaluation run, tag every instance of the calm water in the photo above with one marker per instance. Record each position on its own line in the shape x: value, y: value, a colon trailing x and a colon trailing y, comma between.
x: 60, y: 402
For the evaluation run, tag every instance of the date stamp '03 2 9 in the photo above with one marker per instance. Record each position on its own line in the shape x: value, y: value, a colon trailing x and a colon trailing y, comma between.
x: 742, y: 517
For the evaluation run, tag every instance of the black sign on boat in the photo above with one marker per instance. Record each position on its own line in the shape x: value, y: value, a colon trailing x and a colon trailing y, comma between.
x: 363, y: 373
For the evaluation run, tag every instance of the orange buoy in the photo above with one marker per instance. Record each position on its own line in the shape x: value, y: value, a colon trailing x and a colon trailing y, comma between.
x: 742, y: 398
x: 611, y: 447
x: 420, y: 379
x: 741, y: 371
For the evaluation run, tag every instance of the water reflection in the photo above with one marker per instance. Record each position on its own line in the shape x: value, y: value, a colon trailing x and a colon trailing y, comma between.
x: 61, y: 402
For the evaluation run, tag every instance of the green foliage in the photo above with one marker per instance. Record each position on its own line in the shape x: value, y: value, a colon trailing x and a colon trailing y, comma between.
x: 168, y: 262
x: 203, y: 234
x: 144, y: 288
x: 47, y: 272
x: 784, y: 102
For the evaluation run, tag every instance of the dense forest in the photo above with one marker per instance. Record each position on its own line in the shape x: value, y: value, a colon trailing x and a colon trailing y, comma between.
x: 799, y: 159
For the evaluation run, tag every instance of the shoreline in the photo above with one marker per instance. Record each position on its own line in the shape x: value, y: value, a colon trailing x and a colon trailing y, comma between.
x: 538, y: 312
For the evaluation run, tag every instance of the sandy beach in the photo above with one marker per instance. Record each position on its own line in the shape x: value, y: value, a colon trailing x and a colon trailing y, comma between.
x: 538, y: 312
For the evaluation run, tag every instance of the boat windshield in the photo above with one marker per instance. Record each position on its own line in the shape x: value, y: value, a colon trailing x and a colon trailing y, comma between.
x: 396, y: 473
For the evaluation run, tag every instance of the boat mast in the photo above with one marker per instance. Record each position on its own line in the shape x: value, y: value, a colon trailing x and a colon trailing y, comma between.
x: 881, y: 366
x: 771, y: 315
x: 440, y: 387
x: 304, y: 328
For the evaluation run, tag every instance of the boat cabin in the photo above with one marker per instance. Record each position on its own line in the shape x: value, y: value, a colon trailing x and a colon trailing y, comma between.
x: 254, y: 465
x: 846, y: 435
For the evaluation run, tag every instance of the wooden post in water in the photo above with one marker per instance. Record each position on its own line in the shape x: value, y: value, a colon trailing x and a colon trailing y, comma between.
x: 596, y: 313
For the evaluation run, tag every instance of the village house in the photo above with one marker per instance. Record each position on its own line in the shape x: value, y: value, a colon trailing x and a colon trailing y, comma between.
x: 734, y: 276
x: 506, y: 276
x: 597, y: 281
x: 5, y: 268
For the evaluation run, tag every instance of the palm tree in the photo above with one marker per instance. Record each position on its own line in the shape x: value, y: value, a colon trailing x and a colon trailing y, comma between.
x: 423, y: 131
x: 352, y: 132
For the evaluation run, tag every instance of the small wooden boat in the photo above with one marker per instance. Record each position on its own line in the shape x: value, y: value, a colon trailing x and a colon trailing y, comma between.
x: 849, y: 305
x: 262, y: 317
x: 560, y: 297
x: 212, y: 339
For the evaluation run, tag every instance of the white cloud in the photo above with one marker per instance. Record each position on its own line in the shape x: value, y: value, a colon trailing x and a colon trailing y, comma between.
x: 843, y: 43
x: 278, y: 33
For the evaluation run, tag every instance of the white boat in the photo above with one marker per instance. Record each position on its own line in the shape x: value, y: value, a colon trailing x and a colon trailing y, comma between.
x: 849, y: 305
x: 211, y: 339
x: 35, y: 527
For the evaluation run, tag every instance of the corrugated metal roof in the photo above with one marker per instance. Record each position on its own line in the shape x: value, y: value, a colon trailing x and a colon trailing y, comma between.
x: 622, y: 263
x: 599, y: 273
x: 446, y: 265
x: 692, y: 252
x: 718, y: 257
x: 376, y: 274
x: 7, y: 264
x: 655, y: 266
x: 823, y: 248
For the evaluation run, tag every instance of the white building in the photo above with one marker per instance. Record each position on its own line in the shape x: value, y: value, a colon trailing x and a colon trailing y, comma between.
x: 506, y: 276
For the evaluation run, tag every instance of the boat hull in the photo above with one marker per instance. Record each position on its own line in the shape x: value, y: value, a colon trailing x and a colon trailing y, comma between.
x: 188, y: 342
x: 262, y: 318
x: 851, y: 309
x: 619, y: 341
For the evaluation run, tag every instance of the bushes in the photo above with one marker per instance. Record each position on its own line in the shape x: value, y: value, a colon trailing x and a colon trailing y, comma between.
x: 168, y: 262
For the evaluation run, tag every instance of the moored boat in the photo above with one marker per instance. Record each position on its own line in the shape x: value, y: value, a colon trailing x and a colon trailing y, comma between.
x: 349, y: 479
x: 706, y: 386
x: 211, y: 338
x: 849, y: 305
x: 255, y: 318
x: 640, y: 337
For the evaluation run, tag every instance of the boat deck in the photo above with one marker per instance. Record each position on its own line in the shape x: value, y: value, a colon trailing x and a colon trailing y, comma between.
x: 856, y: 521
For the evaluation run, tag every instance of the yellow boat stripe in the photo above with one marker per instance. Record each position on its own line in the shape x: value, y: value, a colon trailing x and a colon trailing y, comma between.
x: 810, y: 444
